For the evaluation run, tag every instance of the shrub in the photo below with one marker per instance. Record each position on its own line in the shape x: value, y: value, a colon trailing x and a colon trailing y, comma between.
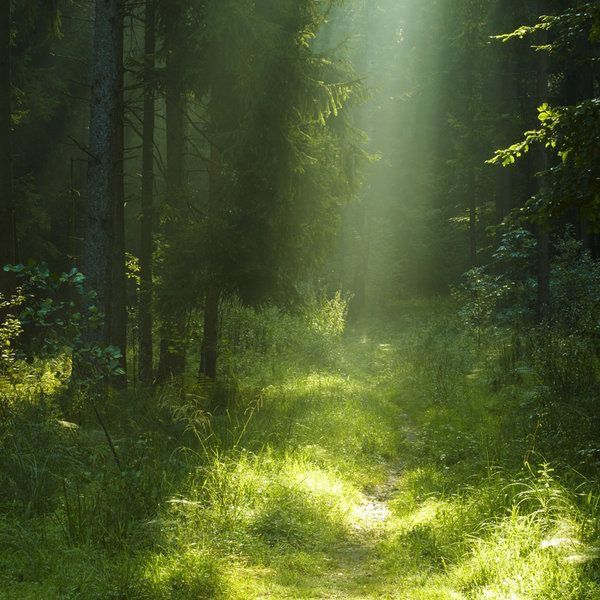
x: 10, y: 329
x: 188, y: 574
x: 254, y: 340
x: 36, y: 452
x: 52, y: 323
x: 575, y: 292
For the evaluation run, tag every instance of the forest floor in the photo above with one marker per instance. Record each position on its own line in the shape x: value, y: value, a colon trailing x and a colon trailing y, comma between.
x: 440, y: 491
x: 350, y: 567
x: 350, y: 571
x: 391, y: 466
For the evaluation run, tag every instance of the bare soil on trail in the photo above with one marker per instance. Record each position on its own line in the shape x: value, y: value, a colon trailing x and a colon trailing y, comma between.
x: 351, y: 571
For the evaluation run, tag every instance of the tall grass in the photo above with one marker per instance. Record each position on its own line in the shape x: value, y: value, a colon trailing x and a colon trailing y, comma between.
x: 251, y: 488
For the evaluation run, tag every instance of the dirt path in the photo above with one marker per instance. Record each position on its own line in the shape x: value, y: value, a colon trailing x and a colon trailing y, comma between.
x: 352, y: 572
x: 355, y: 569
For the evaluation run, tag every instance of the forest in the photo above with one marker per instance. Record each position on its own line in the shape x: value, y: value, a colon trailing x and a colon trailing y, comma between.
x: 300, y: 299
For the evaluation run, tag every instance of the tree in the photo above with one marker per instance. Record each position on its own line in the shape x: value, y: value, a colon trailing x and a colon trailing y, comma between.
x: 540, y: 166
x: 103, y: 165
x: 568, y: 134
x: 147, y: 221
x: 7, y: 229
x: 173, y: 344
x: 118, y: 309
x: 210, y: 329
x: 278, y: 153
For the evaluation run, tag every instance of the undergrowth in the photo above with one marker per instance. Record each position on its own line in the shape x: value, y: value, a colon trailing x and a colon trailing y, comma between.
x: 251, y: 489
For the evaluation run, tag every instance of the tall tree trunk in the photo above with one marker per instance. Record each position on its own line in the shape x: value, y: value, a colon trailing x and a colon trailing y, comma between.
x: 504, y: 194
x: 584, y: 232
x: 173, y: 344
x: 473, y: 161
x: 7, y: 229
x: 360, y: 212
x: 472, y: 195
x: 541, y: 165
x: 210, y: 338
x: 578, y: 87
x: 543, y: 276
x: 362, y: 244
x: 147, y: 225
x: 505, y: 95
x: 118, y: 334
x: 210, y: 334
x: 102, y: 167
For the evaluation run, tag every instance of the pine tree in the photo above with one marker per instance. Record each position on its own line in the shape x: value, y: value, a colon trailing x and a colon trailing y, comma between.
x: 118, y: 309
x: 173, y: 344
x: 540, y: 165
x: 7, y: 228
x: 147, y: 221
x: 278, y: 124
x: 103, y: 166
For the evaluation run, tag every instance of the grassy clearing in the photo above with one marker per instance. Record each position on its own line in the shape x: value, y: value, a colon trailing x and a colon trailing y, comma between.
x: 394, y: 465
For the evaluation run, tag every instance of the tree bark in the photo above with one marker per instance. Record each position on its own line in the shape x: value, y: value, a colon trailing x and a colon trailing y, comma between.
x: 360, y: 212
x: 102, y: 168
x: 472, y: 194
x: 473, y: 163
x: 504, y: 194
x: 362, y: 243
x: 210, y: 338
x: 541, y: 165
x: 147, y: 224
x: 210, y: 335
x: 7, y: 213
x: 578, y: 87
x: 118, y: 334
x: 506, y: 94
x: 543, y: 278
x: 173, y: 344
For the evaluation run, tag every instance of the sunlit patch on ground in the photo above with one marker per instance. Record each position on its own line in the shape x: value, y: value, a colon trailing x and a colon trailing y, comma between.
x: 370, y: 514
